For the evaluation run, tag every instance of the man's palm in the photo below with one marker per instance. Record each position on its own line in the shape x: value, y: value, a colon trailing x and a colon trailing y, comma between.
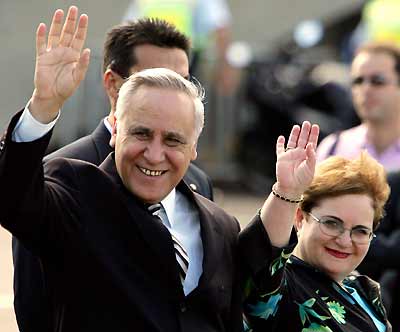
x: 60, y: 63
x: 55, y: 76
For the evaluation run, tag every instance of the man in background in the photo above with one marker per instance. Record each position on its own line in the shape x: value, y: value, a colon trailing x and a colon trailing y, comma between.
x: 375, y: 73
x: 375, y: 90
x: 207, y: 23
x: 128, y: 48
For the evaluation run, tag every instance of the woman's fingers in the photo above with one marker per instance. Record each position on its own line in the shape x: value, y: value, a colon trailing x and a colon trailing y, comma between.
x: 300, y: 137
x: 293, y: 137
x: 314, y: 133
x: 304, y: 135
x: 280, y: 145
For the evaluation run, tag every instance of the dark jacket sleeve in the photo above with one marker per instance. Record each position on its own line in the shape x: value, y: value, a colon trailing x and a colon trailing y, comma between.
x: 261, y: 268
x: 21, y: 172
x: 19, y: 165
x: 34, y: 212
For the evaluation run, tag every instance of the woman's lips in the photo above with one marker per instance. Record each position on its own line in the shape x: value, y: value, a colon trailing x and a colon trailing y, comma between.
x: 337, y: 254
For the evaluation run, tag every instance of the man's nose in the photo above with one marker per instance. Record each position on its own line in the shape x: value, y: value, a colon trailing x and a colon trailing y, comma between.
x: 154, y: 152
x: 366, y: 86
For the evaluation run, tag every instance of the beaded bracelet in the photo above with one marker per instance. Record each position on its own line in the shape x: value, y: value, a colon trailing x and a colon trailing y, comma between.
x: 286, y: 199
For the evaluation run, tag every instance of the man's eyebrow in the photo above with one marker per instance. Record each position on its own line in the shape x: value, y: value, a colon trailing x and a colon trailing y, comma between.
x: 135, y: 128
x: 176, y: 135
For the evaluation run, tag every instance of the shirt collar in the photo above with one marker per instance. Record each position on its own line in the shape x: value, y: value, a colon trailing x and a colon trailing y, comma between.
x: 107, y: 124
x: 168, y: 204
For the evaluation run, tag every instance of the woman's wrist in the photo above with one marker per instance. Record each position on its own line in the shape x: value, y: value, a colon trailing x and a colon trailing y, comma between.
x: 285, y: 195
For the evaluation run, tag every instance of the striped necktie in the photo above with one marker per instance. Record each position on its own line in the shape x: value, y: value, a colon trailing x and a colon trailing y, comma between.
x: 182, y: 257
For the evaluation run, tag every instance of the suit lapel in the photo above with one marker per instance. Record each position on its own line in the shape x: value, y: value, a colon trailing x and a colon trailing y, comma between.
x: 157, y: 236
x: 154, y: 233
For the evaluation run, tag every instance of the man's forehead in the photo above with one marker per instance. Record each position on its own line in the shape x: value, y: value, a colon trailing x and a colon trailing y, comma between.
x: 152, y: 56
x: 373, y: 60
x: 145, y: 109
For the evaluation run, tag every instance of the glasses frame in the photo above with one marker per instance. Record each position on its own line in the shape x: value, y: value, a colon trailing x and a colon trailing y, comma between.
x: 320, y: 222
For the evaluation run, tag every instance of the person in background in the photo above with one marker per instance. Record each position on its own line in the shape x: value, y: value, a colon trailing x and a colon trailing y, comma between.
x: 318, y: 225
x: 202, y: 21
x: 375, y: 90
x: 375, y: 74
x: 128, y: 48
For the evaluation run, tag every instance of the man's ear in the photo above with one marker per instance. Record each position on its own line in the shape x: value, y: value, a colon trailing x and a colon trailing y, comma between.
x: 298, y: 219
x: 112, y: 83
x: 114, y: 132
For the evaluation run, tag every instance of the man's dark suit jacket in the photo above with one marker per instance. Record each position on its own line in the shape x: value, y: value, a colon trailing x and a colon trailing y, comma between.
x: 108, y: 264
x: 30, y: 301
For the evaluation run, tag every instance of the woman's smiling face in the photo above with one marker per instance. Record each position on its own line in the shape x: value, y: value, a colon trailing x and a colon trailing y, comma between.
x: 336, y: 256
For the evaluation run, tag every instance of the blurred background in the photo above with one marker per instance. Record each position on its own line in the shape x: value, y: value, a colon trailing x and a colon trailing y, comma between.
x: 290, y: 61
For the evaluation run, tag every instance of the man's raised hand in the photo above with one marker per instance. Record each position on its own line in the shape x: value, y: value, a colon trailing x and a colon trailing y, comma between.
x: 60, y: 63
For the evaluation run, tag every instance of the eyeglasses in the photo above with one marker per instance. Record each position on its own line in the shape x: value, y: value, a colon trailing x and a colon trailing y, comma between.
x: 334, y: 227
x: 376, y: 80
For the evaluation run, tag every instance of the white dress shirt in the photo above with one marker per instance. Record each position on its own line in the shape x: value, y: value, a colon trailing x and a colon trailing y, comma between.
x: 182, y: 220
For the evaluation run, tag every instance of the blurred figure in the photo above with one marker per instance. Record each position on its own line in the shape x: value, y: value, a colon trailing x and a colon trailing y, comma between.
x: 376, y: 96
x: 375, y: 90
x: 382, y: 262
x: 198, y: 19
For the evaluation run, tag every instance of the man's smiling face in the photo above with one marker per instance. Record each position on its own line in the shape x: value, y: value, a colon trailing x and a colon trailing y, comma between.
x: 155, y: 141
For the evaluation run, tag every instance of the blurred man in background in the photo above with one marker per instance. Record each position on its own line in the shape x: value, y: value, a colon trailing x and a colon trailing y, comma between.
x: 375, y: 90
x: 201, y: 21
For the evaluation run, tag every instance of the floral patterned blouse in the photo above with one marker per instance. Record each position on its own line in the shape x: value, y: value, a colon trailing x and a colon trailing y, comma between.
x: 286, y: 294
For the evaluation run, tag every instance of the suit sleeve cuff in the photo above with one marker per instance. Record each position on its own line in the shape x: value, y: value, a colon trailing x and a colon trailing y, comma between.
x: 28, y: 129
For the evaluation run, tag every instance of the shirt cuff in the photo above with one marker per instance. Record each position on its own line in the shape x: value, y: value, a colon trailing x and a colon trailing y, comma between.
x: 28, y: 129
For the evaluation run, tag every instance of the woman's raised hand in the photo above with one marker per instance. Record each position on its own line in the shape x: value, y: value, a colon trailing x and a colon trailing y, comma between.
x: 295, y: 164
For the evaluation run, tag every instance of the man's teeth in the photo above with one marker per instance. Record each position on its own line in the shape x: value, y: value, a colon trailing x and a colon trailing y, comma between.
x: 151, y: 173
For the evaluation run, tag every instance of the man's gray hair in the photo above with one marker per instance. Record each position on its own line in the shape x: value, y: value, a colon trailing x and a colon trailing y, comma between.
x: 163, y: 78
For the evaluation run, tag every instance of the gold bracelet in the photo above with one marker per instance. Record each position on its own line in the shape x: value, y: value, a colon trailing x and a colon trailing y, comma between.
x: 286, y: 199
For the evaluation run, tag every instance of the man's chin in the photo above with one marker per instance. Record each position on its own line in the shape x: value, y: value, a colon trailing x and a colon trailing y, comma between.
x: 149, y: 196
